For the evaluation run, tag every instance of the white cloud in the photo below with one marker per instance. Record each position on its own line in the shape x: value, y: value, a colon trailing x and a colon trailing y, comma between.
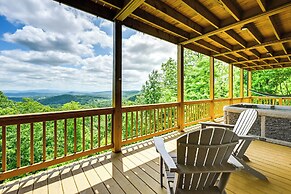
x: 60, y: 51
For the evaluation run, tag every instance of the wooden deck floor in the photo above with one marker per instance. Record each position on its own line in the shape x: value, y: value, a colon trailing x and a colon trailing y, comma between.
x: 135, y: 170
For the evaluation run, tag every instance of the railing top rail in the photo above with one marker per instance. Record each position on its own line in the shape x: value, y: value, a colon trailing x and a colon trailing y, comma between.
x: 149, y: 106
x: 50, y: 116
x: 197, y: 101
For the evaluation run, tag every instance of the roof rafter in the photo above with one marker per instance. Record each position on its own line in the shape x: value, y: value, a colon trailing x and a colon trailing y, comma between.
x: 266, y: 43
x: 232, y: 9
x: 175, y: 15
x: 265, y: 57
x: 244, y: 21
x: 237, y: 38
x: 262, y: 4
x: 272, y: 64
x: 256, y: 53
x: 129, y: 7
x: 221, y: 42
x: 203, y: 12
x: 254, y: 33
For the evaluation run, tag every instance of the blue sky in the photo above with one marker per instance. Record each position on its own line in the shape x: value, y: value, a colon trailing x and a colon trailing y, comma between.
x: 45, y: 45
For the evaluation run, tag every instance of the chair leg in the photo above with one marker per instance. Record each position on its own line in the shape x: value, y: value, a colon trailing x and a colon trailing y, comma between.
x: 223, y: 180
x: 161, y: 171
x: 245, y: 158
x: 252, y: 171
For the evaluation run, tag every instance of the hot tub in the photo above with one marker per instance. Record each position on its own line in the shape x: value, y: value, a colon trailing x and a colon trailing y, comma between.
x: 273, y: 123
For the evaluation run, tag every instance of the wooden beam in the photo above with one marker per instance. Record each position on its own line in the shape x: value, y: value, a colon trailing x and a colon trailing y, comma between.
x: 264, y: 57
x: 208, y: 46
x: 171, y: 12
x: 271, y: 64
x: 245, y: 56
x: 117, y: 87
x: 129, y: 7
x: 237, y: 38
x: 203, y: 12
x: 211, y: 88
x: 242, y: 22
x: 266, y: 43
x: 256, y: 53
x: 262, y: 4
x: 180, y: 78
x: 232, y: 9
x: 274, y: 27
x: 271, y: 52
x: 90, y: 7
x: 230, y: 82
x: 221, y: 42
x: 241, y: 83
x: 255, y: 33
x: 249, y: 84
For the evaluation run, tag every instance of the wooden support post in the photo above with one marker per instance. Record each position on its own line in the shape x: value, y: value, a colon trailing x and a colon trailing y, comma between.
x: 180, y: 74
x: 212, y: 115
x: 116, y: 90
x: 242, y: 84
x: 250, y: 86
x: 230, y: 83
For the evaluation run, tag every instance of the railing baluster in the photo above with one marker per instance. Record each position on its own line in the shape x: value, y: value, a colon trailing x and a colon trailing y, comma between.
x: 75, y: 135
x: 136, y: 124
x: 31, y: 144
x: 126, y: 125
x: 106, y: 129
x: 44, y: 141
x: 164, y: 117
x: 150, y: 121
x: 99, y: 131
x: 146, y: 123
x: 91, y: 131
x: 141, y: 123
x: 83, y: 133
x: 131, y: 125
x: 55, y: 139
x: 4, y: 155
x: 18, y: 150
x: 65, y: 138
x: 171, y: 125
x: 155, y: 121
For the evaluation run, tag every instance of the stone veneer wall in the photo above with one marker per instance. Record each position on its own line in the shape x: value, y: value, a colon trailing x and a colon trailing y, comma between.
x: 276, y: 128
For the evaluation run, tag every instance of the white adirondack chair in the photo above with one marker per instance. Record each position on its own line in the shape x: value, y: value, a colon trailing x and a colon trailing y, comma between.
x: 202, y: 164
x: 243, y: 125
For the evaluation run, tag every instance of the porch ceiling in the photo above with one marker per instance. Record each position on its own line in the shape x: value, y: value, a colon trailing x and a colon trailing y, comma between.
x: 249, y: 34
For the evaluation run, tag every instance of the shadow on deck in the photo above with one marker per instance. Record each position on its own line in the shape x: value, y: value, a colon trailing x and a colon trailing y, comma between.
x: 136, y: 170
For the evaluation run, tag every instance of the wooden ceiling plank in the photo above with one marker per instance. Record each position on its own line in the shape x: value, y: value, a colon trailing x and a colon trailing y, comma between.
x: 262, y: 4
x: 256, y: 53
x: 229, y: 56
x: 164, y: 8
x: 274, y: 27
x: 203, y: 12
x: 208, y: 46
x: 272, y: 64
x: 254, y: 33
x: 245, y: 56
x: 232, y: 9
x: 267, y: 43
x: 237, y: 38
x: 129, y: 7
x: 253, y: 18
x: 145, y: 16
x: 221, y: 42
x: 264, y: 58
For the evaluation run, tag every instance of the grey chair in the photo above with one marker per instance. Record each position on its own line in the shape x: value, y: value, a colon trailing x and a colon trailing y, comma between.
x: 202, y: 163
x: 242, y: 127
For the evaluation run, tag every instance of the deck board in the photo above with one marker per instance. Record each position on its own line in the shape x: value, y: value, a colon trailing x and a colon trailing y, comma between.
x: 136, y: 170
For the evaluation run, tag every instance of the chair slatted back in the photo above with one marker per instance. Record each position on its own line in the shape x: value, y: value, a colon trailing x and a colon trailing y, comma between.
x: 204, y: 148
x: 245, y: 121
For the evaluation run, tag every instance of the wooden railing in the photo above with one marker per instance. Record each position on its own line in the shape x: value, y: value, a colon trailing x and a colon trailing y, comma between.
x: 196, y: 111
x: 271, y: 100
x: 142, y: 122
x: 35, y: 141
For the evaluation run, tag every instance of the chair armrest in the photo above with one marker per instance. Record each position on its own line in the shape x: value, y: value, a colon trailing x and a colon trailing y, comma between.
x: 160, y: 147
x: 249, y: 137
x: 235, y: 162
x: 204, y: 124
